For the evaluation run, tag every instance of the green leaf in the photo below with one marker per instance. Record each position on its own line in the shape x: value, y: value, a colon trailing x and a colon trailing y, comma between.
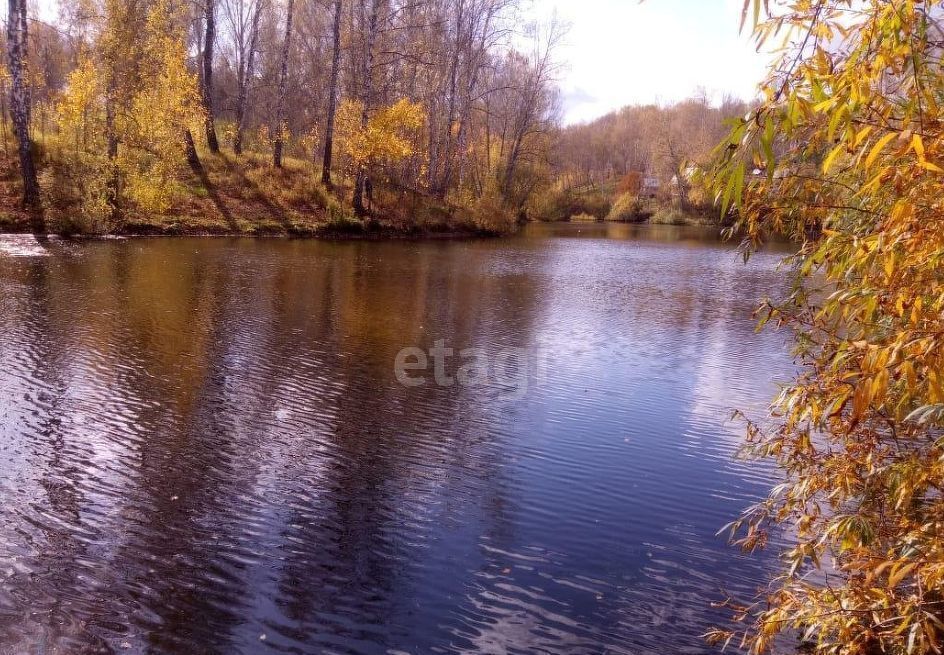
x: 739, y: 186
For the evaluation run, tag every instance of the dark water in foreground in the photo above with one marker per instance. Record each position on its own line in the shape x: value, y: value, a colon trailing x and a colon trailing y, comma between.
x: 204, y: 448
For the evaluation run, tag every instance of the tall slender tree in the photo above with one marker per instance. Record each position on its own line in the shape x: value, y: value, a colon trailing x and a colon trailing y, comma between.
x: 17, y: 40
x: 532, y: 100
x: 439, y: 178
x: 245, y: 73
x: 283, y: 80
x: 332, y: 96
x: 209, y: 40
x: 371, y: 26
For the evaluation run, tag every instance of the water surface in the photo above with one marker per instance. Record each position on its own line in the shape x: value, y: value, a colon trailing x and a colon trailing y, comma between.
x: 204, y: 447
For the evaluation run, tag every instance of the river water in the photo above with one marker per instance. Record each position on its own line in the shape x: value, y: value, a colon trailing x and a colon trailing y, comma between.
x: 205, y: 447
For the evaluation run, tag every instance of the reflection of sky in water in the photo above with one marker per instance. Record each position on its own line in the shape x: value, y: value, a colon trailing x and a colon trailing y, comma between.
x: 21, y: 245
x: 202, y: 443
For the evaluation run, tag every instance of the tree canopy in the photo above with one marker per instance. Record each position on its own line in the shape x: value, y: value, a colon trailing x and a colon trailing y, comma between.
x: 451, y: 99
x: 849, y: 138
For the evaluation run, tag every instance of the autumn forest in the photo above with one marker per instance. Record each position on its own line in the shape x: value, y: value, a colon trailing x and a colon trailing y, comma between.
x: 261, y: 116
x: 566, y: 369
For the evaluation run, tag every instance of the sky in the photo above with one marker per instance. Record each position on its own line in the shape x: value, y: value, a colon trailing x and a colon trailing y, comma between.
x: 622, y: 52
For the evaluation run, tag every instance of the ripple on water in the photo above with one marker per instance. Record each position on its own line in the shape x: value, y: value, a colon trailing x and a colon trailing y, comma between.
x: 203, y: 447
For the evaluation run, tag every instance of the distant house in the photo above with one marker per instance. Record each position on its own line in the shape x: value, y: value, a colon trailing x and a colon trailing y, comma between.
x: 650, y: 187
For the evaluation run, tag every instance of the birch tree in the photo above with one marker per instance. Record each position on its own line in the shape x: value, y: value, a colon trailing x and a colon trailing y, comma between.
x: 243, y: 17
x: 17, y: 43
x: 278, y: 128
x: 333, y: 95
x: 209, y: 41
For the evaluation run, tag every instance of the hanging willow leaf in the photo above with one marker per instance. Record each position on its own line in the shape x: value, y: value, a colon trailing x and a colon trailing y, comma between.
x: 858, y: 434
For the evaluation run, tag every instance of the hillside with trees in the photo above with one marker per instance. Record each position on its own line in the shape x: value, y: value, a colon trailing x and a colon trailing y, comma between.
x: 638, y: 162
x: 267, y: 116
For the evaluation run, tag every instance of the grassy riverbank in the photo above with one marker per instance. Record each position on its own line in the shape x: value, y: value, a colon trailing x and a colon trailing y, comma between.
x: 669, y: 215
x: 245, y: 195
x: 603, y: 203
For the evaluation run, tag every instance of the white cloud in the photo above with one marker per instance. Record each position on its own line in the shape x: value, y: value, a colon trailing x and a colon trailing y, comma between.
x: 621, y: 52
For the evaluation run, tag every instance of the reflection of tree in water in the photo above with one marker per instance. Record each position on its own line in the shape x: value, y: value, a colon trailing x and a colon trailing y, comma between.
x: 254, y: 459
x: 340, y: 560
x: 138, y: 484
x: 198, y: 464
x: 356, y: 549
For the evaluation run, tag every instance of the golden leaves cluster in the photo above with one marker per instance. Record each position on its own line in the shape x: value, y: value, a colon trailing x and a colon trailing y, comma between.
x: 154, y: 98
x: 166, y: 104
x: 847, y: 154
x: 390, y: 133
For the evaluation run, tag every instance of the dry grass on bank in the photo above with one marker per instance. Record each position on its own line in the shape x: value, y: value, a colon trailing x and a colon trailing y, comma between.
x: 246, y: 195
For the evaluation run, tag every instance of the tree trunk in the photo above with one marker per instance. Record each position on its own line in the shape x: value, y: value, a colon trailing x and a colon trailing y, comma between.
x: 361, y: 179
x: 245, y: 81
x: 3, y: 116
x: 193, y: 159
x: 208, y: 42
x: 283, y: 75
x: 332, y: 98
x: 442, y: 182
x: 19, y: 101
x: 24, y: 45
x: 480, y: 31
x: 111, y: 140
x: 512, y: 164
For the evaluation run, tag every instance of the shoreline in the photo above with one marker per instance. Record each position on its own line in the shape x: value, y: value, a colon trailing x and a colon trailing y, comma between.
x: 245, y: 196
x: 322, y: 233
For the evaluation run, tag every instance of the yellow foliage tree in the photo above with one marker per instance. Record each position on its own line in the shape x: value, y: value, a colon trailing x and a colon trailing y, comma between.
x: 850, y: 134
x: 162, y: 109
x: 389, y: 136
x: 156, y: 101
x: 79, y: 184
x: 79, y: 109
